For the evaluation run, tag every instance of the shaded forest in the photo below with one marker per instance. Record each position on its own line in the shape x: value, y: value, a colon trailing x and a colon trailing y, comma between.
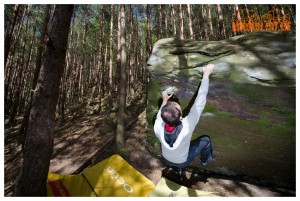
x: 63, y: 61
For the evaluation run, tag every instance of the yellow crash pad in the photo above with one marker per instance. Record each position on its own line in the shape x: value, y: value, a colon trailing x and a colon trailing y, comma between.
x: 112, y: 177
x: 167, y: 188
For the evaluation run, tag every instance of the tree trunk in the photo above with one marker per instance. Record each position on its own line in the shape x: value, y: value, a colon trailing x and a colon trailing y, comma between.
x: 64, y: 89
x: 122, y: 89
x: 249, y: 19
x: 83, y: 61
x: 149, y: 37
x: 222, y: 33
x: 39, y: 142
x: 9, y: 32
x: 159, y: 22
x: 211, y: 30
x: 167, y: 18
x: 237, y: 16
x: 181, y: 21
x: 190, y: 21
x: 204, y: 17
x: 111, y: 49
x: 100, y: 59
x: 131, y: 55
x: 258, y: 8
x: 198, y: 34
x: 174, y: 20
x: 163, y: 21
x: 117, y: 72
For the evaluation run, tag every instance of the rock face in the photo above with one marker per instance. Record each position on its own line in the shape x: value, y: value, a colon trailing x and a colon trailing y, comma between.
x: 250, y: 109
x: 264, y: 58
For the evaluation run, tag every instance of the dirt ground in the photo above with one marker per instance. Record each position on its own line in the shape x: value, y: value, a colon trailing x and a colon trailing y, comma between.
x: 78, y: 145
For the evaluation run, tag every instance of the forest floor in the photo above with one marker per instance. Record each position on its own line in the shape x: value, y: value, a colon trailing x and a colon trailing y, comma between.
x: 78, y: 145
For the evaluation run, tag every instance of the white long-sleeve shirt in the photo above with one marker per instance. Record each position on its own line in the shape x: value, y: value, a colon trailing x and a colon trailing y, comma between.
x: 179, y: 152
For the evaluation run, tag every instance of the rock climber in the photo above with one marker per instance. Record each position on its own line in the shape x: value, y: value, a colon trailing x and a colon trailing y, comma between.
x: 175, y: 132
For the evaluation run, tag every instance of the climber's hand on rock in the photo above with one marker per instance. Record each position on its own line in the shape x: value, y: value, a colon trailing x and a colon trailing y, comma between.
x: 207, y: 70
x: 165, y: 97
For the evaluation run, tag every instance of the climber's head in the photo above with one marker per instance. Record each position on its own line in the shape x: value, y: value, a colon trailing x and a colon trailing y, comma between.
x: 171, y: 113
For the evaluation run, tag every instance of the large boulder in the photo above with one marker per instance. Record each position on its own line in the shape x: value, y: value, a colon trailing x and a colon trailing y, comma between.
x: 250, y: 110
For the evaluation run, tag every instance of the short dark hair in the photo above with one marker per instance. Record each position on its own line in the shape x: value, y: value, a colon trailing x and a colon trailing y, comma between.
x: 170, y: 113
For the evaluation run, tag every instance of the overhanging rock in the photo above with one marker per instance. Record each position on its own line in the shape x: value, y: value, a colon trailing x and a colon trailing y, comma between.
x: 251, y: 96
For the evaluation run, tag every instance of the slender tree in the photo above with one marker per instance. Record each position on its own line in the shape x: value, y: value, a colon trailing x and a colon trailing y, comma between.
x: 198, y: 32
x: 111, y: 49
x: 237, y: 16
x: 174, y: 20
x: 158, y: 16
x: 248, y: 17
x: 222, y: 33
x: 117, y: 71
x: 204, y: 18
x: 122, y: 85
x: 163, y: 21
x: 149, y: 35
x: 167, y: 18
x: 190, y: 21
x: 211, y: 30
x: 181, y: 36
x: 100, y: 58
x: 39, y: 142
x: 131, y: 55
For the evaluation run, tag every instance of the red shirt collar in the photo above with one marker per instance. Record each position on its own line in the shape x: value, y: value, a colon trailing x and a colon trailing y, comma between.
x: 169, y: 128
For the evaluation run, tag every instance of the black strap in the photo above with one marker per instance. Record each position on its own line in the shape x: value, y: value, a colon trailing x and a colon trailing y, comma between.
x: 90, y: 185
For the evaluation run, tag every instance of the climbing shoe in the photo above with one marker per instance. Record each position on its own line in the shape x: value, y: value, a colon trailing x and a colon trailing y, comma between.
x: 179, y: 171
x: 204, y: 163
